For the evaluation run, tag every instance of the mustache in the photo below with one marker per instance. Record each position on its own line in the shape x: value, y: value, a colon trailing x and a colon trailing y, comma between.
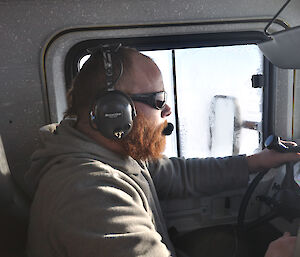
x: 168, y: 129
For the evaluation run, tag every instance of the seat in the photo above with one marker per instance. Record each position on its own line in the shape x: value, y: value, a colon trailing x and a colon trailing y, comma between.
x: 14, y: 212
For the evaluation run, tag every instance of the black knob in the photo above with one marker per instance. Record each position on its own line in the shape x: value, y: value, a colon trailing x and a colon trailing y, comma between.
x: 272, y: 142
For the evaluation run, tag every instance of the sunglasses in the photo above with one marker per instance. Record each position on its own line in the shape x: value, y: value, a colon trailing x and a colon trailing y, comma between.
x: 156, y: 100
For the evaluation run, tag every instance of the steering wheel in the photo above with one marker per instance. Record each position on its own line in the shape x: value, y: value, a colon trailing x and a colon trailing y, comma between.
x: 284, y: 202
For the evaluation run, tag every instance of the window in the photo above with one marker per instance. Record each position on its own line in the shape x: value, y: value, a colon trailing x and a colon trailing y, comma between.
x: 219, y: 113
x: 216, y: 110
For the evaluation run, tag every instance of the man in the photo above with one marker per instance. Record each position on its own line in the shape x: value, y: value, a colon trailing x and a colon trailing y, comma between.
x: 98, y: 196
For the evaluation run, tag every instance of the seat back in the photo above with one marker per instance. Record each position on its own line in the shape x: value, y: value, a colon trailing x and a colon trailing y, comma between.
x: 14, y: 212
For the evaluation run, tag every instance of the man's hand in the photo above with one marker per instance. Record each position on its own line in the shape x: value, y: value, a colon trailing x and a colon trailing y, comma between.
x: 282, y: 247
x: 267, y: 159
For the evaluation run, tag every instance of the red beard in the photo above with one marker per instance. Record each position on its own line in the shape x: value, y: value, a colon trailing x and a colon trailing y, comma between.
x: 144, y: 142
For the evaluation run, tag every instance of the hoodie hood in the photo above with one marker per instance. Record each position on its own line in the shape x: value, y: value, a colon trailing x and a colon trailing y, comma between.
x: 60, y: 141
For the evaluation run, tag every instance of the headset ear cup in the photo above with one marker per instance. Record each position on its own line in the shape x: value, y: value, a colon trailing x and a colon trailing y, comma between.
x: 114, y: 113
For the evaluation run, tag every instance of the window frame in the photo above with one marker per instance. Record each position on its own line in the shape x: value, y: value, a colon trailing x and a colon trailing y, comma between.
x: 79, y: 50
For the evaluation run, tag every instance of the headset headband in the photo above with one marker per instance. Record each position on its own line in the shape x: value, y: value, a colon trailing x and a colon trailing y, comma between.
x: 108, y: 66
x: 107, y: 52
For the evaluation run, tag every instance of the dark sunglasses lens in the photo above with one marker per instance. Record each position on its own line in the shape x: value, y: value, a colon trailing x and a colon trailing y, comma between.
x: 160, y: 100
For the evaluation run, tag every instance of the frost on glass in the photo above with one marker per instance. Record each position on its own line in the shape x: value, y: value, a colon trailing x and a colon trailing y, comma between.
x: 209, y: 125
x: 222, y: 108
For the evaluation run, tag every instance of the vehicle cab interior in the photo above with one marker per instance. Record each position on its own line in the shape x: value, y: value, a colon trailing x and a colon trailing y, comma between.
x: 230, y: 70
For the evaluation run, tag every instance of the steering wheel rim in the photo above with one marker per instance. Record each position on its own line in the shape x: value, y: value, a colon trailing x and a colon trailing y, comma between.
x: 281, y: 204
x: 245, y: 201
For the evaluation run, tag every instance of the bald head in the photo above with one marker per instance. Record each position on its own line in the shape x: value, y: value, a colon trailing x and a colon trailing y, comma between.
x: 141, y: 75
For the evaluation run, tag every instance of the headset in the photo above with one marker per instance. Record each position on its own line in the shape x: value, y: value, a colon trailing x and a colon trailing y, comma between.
x: 113, y: 111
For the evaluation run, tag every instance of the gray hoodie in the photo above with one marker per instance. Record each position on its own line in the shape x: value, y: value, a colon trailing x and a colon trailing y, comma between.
x: 89, y: 201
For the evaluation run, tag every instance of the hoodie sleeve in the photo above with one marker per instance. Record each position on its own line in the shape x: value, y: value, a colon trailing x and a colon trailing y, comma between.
x: 182, y: 178
x: 103, y: 215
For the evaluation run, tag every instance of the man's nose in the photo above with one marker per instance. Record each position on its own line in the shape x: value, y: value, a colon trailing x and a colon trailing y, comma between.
x: 166, y: 111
